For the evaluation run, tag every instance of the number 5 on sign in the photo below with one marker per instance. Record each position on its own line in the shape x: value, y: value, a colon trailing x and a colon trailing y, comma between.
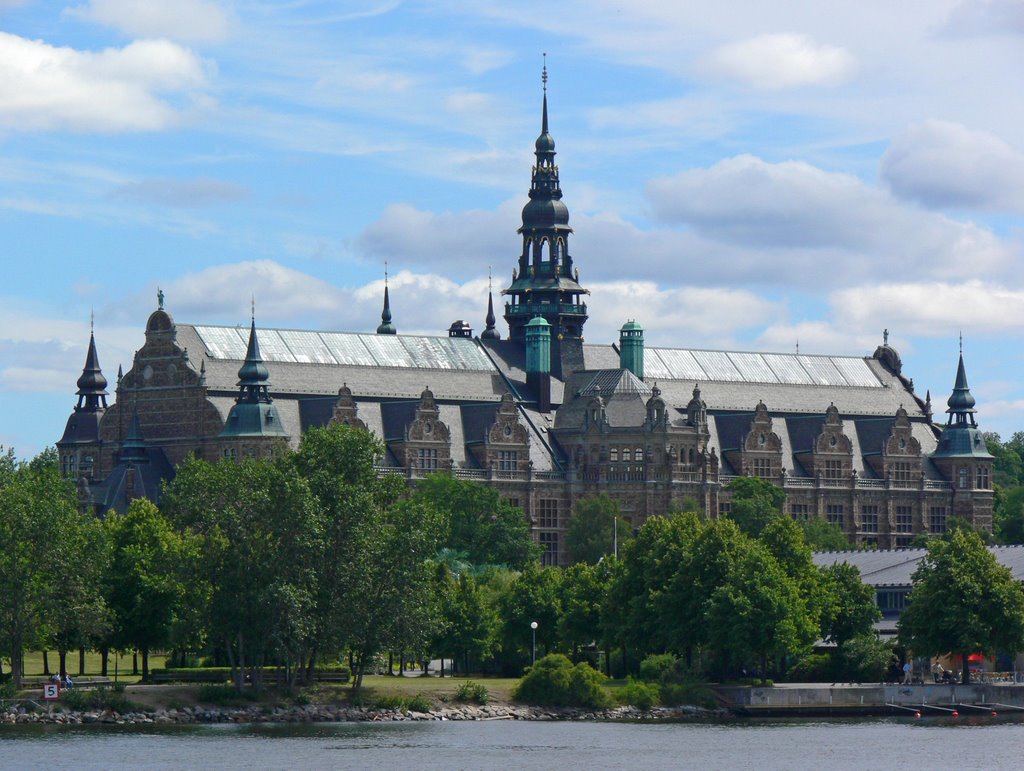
x: 51, y: 691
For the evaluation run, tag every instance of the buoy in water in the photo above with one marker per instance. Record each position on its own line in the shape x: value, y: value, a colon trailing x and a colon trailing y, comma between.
x: 955, y: 713
x: 917, y: 714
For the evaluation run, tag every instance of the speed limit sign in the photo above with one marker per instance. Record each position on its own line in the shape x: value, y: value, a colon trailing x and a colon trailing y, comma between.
x: 51, y: 691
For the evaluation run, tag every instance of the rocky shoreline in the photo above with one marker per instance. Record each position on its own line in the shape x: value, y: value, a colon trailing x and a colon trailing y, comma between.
x: 328, y: 713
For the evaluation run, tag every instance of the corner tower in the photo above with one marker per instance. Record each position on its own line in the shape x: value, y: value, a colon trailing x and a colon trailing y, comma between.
x: 545, y: 282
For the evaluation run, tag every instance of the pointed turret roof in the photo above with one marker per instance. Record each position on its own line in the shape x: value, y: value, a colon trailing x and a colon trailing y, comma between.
x: 386, y: 327
x: 253, y: 374
x: 961, y: 436
x: 490, y: 333
x: 253, y: 413
x: 133, y: 449
x: 92, y: 386
x: 961, y: 402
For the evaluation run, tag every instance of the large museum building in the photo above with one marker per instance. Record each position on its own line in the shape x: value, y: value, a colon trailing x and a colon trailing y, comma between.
x: 542, y: 416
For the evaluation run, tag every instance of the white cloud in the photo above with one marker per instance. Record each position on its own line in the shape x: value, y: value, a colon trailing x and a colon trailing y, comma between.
x: 190, y: 20
x: 796, y: 206
x: 186, y: 193
x: 781, y: 61
x: 43, y: 87
x: 945, y: 164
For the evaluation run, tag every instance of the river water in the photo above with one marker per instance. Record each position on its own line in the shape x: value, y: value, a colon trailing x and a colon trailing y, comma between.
x: 894, y: 743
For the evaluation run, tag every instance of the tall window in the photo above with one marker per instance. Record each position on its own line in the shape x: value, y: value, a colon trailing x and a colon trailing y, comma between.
x: 798, y: 511
x: 547, y: 510
x: 508, y: 460
x: 426, y: 459
x: 613, y: 455
x: 833, y: 469
x: 937, y: 519
x: 962, y: 478
x: 549, y: 546
x: 869, y: 519
x: 834, y: 513
x: 724, y: 508
x: 981, y: 478
x: 230, y: 453
x: 762, y: 468
x: 904, y: 519
x: 901, y: 472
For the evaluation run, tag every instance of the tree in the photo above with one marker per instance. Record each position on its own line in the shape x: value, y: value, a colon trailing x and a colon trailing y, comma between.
x: 38, y: 512
x: 481, y: 523
x: 532, y: 596
x: 757, y: 614
x: 1009, y: 515
x: 595, y: 530
x: 824, y: 536
x: 469, y: 624
x: 152, y: 579
x: 755, y: 502
x: 583, y: 591
x: 962, y: 601
x: 258, y: 524
x: 850, y: 609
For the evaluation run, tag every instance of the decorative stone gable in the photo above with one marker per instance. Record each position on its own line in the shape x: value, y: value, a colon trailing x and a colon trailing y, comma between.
x: 697, y: 411
x: 595, y: 418
x: 833, y: 450
x: 657, y: 412
x: 901, y: 456
x: 346, y: 411
x: 507, y: 447
x: 427, y: 445
x: 762, y: 447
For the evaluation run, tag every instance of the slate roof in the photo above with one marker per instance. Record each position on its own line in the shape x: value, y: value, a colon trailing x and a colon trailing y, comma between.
x: 894, y: 567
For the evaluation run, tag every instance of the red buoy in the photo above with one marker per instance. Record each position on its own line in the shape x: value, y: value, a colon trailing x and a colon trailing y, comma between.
x: 994, y: 713
x: 955, y: 713
x: 917, y: 714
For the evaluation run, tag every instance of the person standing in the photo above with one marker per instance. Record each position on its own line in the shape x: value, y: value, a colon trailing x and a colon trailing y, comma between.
x: 907, y: 671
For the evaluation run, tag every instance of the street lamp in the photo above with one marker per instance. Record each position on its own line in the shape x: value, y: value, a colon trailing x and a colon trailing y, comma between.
x: 533, y: 645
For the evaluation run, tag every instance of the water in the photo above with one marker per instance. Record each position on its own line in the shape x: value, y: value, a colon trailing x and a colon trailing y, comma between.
x: 899, y: 743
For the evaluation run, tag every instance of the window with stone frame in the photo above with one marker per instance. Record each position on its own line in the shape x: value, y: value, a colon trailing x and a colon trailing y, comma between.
x: 834, y: 513
x: 799, y: 511
x: 963, y: 476
x: 870, y: 540
x: 833, y: 469
x: 508, y: 460
x: 512, y: 502
x: 981, y: 478
x: 937, y: 519
x: 250, y: 452
x: 613, y: 455
x: 230, y: 453
x: 426, y: 459
x: 547, y: 513
x: 627, y: 455
x: 724, y: 508
x: 762, y: 468
x: 902, y: 542
x: 904, y: 519
x: 549, y: 548
x: 869, y: 519
x: 901, y: 472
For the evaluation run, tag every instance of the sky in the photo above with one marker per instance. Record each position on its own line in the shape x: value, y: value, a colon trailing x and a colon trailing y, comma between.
x: 739, y: 174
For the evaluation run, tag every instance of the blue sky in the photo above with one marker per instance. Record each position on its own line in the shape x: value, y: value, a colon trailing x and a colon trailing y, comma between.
x: 739, y: 174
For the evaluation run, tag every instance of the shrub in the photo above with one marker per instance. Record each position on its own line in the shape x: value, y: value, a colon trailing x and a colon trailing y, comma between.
x: 865, y: 658
x: 658, y: 668
x: 419, y: 703
x: 813, y: 668
x: 103, y: 697
x: 554, y: 681
x: 638, y: 693
x: 225, y: 695
x: 691, y: 692
x: 474, y: 692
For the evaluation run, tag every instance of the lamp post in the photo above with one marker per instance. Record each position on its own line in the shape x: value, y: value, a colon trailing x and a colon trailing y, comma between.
x: 533, y: 645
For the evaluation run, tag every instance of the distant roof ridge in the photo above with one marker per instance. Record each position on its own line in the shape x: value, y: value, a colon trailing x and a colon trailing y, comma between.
x: 614, y: 381
x: 792, y: 354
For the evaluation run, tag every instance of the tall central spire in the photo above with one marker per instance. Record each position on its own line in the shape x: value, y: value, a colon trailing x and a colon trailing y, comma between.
x: 545, y: 282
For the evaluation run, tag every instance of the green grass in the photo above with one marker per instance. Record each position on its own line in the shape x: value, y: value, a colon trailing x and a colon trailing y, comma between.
x: 34, y: 665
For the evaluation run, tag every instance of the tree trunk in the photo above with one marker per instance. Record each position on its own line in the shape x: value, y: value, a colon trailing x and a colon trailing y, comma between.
x: 965, y: 678
x: 135, y: 662
x: 46, y: 663
x: 391, y: 663
x: 401, y: 663
x: 104, y: 656
x: 17, y: 665
x: 63, y: 655
x: 145, y: 665
x: 81, y: 662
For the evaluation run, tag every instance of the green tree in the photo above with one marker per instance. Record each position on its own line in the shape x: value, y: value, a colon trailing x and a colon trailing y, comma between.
x: 824, y: 536
x: 153, y: 579
x: 754, y: 503
x: 595, y: 529
x: 38, y: 512
x: 757, y: 614
x: 258, y: 527
x: 864, y: 658
x: 481, y: 523
x: 469, y: 627
x: 534, y: 595
x: 850, y: 609
x: 583, y: 591
x: 963, y: 601
x: 1009, y: 515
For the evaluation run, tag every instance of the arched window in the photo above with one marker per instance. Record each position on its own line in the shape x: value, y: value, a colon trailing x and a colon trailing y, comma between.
x: 613, y: 455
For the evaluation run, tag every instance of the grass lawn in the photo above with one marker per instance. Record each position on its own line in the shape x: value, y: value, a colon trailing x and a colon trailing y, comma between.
x: 34, y: 664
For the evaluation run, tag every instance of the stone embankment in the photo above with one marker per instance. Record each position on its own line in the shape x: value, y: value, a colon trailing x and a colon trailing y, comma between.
x: 334, y: 713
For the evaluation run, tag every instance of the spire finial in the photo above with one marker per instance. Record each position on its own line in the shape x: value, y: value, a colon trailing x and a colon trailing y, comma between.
x: 386, y: 327
x: 798, y: 346
x: 961, y: 343
x: 252, y: 309
x: 385, y: 272
x: 92, y: 320
x: 544, y: 73
x: 490, y: 286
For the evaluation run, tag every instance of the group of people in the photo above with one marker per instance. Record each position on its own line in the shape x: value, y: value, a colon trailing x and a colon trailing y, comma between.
x: 939, y: 674
x: 66, y: 682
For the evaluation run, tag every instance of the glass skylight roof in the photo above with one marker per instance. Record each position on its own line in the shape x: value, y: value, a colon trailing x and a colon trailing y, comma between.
x: 733, y: 367
x: 303, y: 346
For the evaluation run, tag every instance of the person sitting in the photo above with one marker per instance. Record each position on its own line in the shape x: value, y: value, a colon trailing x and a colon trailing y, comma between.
x: 67, y: 681
x: 55, y: 678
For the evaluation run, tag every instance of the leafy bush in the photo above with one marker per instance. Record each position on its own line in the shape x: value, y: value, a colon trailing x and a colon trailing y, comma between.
x: 638, y: 693
x: 474, y: 692
x: 554, y: 681
x: 103, y: 697
x: 865, y: 658
x: 813, y: 668
x: 691, y: 692
x: 657, y: 668
x: 419, y: 703
x: 225, y: 695
x: 7, y: 690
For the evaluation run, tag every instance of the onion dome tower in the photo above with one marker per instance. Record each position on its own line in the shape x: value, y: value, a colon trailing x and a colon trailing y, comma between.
x: 82, y: 430
x: 961, y: 436
x: 490, y: 333
x: 253, y: 413
x: 546, y: 282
